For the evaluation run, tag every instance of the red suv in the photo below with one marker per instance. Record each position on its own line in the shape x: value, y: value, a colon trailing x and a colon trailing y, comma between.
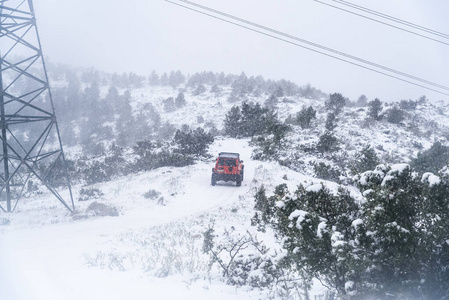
x: 228, y: 167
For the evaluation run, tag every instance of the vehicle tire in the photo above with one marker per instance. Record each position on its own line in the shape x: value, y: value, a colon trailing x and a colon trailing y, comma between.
x: 213, y: 180
x: 238, y: 182
x: 242, y: 174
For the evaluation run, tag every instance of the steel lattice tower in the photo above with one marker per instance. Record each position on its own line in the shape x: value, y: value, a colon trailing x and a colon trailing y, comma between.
x: 31, y: 148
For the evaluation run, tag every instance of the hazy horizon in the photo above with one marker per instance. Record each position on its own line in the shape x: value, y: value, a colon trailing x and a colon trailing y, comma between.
x: 143, y: 36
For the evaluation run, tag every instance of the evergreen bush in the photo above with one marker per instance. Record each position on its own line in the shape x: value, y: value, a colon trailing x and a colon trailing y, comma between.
x: 374, y: 109
x: 326, y: 172
x: 393, y: 242
x: 193, y: 142
x: 89, y: 194
x: 432, y: 159
x: 327, y: 143
x: 366, y: 159
x: 331, y: 122
x: 335, y: 103
x: 305, y: 116
x: 395, y: 115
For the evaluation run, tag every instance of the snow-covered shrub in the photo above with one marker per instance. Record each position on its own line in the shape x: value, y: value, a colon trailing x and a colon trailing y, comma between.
x: 216, y: 90
x: 97, y: 171
x: 151, y: 194
x: 169, y: 104
x: 200, y: 88
x: 245, y: 261
x: 327, y: 143
x: 97, y: 209
x: 101, y: 209
x: 165, y: 158
x: 89, y: 194
x: 271, y: 102
x: 200, y: 119
x: 180, y: 100
x: 315, y: 225
x: 160, y: 251
x: 310, y: 92
x: 364, y: 160
x: 55, y: 173
x: 264, y: 207
x: 403, y: 232
x: 432, y: 159
x: 4, y: 221
x: 331, y: 121
x: 230, y: 248
x: 392, y: 242
x: 375, y: 109
x: 408, y: 104
x: 152, y: 155
x: 305, y: 116
x: 255, y: 270
x: 395, y: 115
x: 104, y: 167
x: 327, y: 172
x: 335, y: 103
x: 268, y: 146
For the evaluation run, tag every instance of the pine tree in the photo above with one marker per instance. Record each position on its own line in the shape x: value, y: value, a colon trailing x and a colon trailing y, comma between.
x: 163, y: 79
x: 135, y: 80
x: 175, y: 79
x: 335, y: 103
x: 154, y: 79
x: 255, y: 119
x: 362, y: 101
x: 233, y: 122
x: 374, y: 109
x: 193, y: 142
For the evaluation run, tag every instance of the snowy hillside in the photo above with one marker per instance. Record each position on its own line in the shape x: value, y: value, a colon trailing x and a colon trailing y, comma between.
x: 140, y: 234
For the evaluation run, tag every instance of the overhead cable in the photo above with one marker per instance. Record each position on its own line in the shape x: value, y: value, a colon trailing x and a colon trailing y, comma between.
x: 395, y: 19
x: 442, y: 89
x: 415, y: 29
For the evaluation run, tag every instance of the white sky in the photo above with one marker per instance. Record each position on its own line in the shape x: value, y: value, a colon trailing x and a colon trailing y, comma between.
x: 144, y: 35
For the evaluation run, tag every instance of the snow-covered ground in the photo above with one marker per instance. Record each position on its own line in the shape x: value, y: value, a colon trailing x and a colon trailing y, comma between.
x: 150, y: 251
x: 153, y: 248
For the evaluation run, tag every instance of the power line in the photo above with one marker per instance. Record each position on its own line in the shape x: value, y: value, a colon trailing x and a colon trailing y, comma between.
x: 322, y: 49
x: 410, y: 24
x: 418, y: 27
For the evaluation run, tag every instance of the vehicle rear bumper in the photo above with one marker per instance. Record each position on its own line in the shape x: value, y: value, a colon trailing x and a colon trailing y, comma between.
x: 226, y: 177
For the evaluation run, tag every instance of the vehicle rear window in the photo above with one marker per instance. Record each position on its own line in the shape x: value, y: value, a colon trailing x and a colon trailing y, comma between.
x: 227, y: 162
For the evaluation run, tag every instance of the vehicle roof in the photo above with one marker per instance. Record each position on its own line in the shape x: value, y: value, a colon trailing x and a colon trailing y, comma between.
x: 229, y: 155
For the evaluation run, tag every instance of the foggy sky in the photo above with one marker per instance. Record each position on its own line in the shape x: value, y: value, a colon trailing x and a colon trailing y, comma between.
x: 144, y: 35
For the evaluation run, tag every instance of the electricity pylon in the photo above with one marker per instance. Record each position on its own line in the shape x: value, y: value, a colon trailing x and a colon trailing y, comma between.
x: 31, y: 149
